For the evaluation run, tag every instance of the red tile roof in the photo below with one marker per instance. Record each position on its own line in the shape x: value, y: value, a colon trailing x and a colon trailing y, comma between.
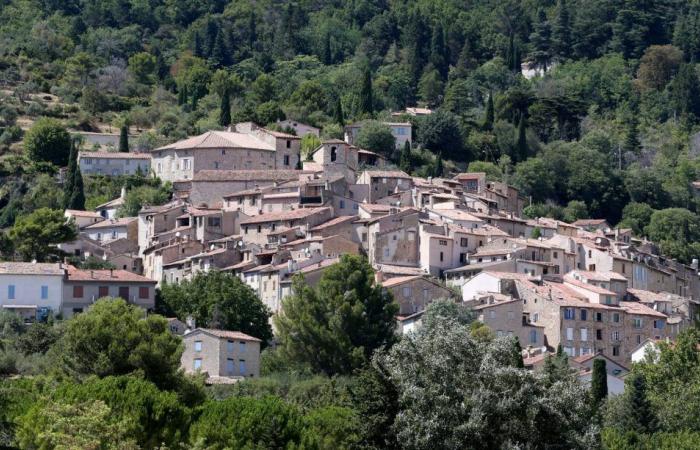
x: 116, y: 275
x: 285, y: 215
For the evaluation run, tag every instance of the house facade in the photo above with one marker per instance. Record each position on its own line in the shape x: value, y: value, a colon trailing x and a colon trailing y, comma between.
x: 114, y: 163
x: 221, y: 354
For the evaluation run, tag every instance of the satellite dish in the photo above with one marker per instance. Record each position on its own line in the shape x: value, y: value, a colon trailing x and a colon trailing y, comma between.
x: 177, y: 234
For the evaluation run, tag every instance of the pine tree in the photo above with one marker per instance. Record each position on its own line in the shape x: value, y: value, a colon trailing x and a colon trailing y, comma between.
x: 124, y: 139
x: 219, y: 53
x: 366, y: 99
x: 417, y: 38
x: 510, y: 52
x: 517, y: 59
x: 632, y: 143
x: 338, y: 112
x: 599, y: 383
x: 77, y: 199
x: 406, y: 161
x: 561, y: 32
x: 523, y: 150
x: 438, y: 51
x: 541, y: 40
x: 71, y: 170
x: 466, y: 61
x: 225, y: 110
x: 489, y: 117
x: 197, y: 50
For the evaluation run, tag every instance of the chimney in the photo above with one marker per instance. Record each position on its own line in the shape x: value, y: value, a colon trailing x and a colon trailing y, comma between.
x: 378, y: 276
x: 190, y: 322
x: 92, y: 274
x: 111, y: 273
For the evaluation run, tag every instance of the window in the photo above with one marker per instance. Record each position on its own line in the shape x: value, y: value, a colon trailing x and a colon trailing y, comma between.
x: 533, y: 336
x: 77, y: 310
x: 44, y: 292
x: 569, y: 314
x: 442, y: 242
x: 259, y: 228
x: 143, y: 292
x: 406, y: 291
x: 159, y: 168
x: 441, y: 257
x: 555, y: 255
x: 599, y: 334
x: 637, y: 322
x: 639, y: 339
x: 608, y: 300
x: 569, y: 334
x: 584, y: 315
x: 230, y: 370
x: 616, y: 317
x: 464, y: 242
x: 216, y: 164
x: 659, y: 324
x: 598, y: 317
x: 77, y: 292
x: 570, y: 351
x: 214, y: 221
x: 584, y: 334
x: 616, y: 350
x: 615, y: 336
x: 197, y: 363
x: 426, y: 294
x: 289, y: 143
x: 103, y: 291
x: 197, y: 346
x: 241, y: 366
x: 186, y: 164
x: 87, y: 161
x: 342, y: 204
x: 124, y: 292
x: 585, y: 351
x: 241, y: 347
x: 535, y: 317
x: 230, y: 346
x: 510, y: 315
x: 286, y: 160
x: 492, y: 314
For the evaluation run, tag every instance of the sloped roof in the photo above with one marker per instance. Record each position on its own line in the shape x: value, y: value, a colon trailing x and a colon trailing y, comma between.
x: 28, y: 268
x: 110, y: 223
x: 248, y: 175
x: 114, y: 155
x: 116, y: 275
x: 284, y: 215
x: 219, y: 139
x: 224, y: 334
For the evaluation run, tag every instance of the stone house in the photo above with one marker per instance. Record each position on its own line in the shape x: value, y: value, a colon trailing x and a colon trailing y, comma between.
x: 504, y: 315
x: 114, y: 163
x: 113, y: 229
x: 210, y: 187
x: 221, y: 354
x: 592, y: 224
x: 414, y: 293
x: 256, y: 228
x: 155, y: 220
x: 83, y: 287
x: 245, y: 147
x: 384, y: 182
x: 394, y: 238
x: 337, y: 157
x: 160, y: 255
x: 82, y: 219
x: 472, y: 182
x: 400, y: 130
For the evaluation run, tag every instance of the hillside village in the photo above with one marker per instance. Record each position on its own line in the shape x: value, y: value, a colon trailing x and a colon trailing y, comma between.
x: 245, y: 203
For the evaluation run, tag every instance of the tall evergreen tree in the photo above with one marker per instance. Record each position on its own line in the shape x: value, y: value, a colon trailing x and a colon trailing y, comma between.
x: 523, y: 150
x: 561, y: 32
x: 641, y: 413
x: 438, y: 51
x: 541, y: 40
x: 416, y: 40
x: 517, y: 354
x: 685, y: 93
x: 489, y: 116
x: 71, y: 170
x: 338, y: 114
x: 252, y: 30
x: 406, y: 161
x: 77, y: 199
x: 326, y: 55
x: 599, y: 383
x: 219, y: 53
x: 124, y: 139
x: 197, y: 50
x: 438, y: 169
x: 225, y: 110
x: 632, y: 143
x: 366, y: 97
x: 466, y: 61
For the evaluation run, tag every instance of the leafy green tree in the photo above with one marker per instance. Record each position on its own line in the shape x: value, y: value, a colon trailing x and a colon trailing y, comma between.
x: 309, y: 143
x: 376, y: 400
x: 332, y: 427
x: 677, y: 231
x: 658, y: 66
x: 35, y: 235
x: 142, y: 65
x: 38, y: 338
x: 83, y: 425
x: 141, y: 196
x: 440, y: 132
x: 599, y: 383
x: 531, y: 177
x: 438, y: 51
x: 338, y: 114
x: 336, y: 326
x: 242, y: 422
x: 219, y: 300
x: 114, y: 338
x: 575, y: 210
x: 377, y: 137
x: 48, y: 140
x: 636, y: 216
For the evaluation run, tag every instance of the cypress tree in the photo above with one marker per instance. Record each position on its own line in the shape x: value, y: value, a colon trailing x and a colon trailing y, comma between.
x: 685, y: 92
x: 517, y: 354
x: 219, y: 54
x: 437, y: 172
x: 541, y: 39
x: 225, y: 110
x: 71, y: 170
x: 599, y: 383
x: 517, y: 59
x: 510, y: 52
x: 632, y: 143
x: 642, y: 418
x: 338, y: 112
x: 197, y: 51
x: 415, y: 32
x: 77, y: 199
x: 182, y: 95
x: 561, y: 32
x: 438, y: 51
x: 366, y: 100
x: 326, y: 55
x: 522, y: 140
x: 405, y: 161
x: 489, y: 117
x: 252, y: 31
x: 124, y: 139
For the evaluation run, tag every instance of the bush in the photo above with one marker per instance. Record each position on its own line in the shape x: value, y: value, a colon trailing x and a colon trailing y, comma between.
x: 48, y: 140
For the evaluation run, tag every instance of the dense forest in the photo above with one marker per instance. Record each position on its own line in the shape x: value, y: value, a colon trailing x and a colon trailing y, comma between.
x: 607, y: 131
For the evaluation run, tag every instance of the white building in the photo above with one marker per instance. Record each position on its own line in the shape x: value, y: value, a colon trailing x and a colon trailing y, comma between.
x: 31, y: 289
x: 114, y: 163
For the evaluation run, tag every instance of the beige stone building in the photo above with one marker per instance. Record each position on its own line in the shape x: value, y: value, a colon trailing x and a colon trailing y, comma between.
x: 221, y: 354
x: 414, y: 293
x: 245, y: 147
x: 255, y: 229
x: 384, y: 182
x: 504, y: 315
